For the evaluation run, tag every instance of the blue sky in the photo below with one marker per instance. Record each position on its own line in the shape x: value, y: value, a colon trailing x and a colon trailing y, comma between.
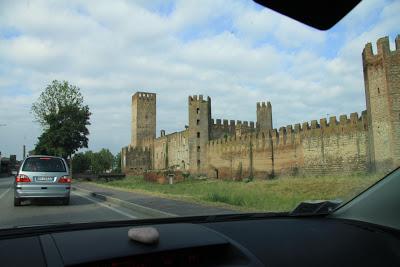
x: 236, y: 52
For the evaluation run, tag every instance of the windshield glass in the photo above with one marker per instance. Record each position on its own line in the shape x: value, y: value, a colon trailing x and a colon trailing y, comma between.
x: 181, y: 108
x: 43, y: 164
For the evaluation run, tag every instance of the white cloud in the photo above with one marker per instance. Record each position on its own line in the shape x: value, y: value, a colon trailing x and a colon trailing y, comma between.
x: 266, y: 24
x: 231, y: 51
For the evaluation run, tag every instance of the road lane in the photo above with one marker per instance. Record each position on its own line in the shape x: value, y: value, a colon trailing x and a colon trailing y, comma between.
x: 96, y: 201
x: 81, y: 209
x: 5, y: 186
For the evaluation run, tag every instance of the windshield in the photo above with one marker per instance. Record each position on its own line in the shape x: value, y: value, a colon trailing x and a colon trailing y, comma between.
x: 43, y: 164
x: 182, y: 108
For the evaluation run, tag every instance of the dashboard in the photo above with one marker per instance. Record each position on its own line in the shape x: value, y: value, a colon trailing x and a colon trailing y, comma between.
x: 253, y: 242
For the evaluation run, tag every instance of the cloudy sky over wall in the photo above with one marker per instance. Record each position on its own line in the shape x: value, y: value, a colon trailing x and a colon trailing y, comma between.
x: 236, y: 52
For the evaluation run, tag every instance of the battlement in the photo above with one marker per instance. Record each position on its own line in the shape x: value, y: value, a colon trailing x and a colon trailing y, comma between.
x: 354, y: 122
x: 383, y: 49
x: 261, y: 105
x: 199, y: 98
x: 137, y: 150
x: 288, y: 135
x: 144, y: 96
x: 232, y: 123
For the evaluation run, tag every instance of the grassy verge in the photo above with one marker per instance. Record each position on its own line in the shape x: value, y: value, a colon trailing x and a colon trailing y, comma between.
x: 281, y: 194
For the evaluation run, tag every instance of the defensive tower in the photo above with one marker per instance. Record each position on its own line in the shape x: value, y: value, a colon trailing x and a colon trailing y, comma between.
x: 199, y: 132
x: 264, y: 116
x: 382, y: 91
x: 143, y: 119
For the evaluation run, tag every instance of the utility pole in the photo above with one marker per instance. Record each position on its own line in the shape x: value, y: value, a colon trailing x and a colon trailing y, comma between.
x: 24, y: 148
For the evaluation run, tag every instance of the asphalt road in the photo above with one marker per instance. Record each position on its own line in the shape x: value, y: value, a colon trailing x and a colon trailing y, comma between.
x: 82, y: 208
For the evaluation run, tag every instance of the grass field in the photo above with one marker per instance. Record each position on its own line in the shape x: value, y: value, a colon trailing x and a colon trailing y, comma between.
x: 281, y: 194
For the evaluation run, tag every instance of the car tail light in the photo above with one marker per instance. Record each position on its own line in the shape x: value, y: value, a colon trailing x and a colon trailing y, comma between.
x: 22, y: 178
x: 64, y: 179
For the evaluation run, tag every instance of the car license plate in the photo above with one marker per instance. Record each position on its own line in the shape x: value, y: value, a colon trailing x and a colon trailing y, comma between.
x: 45, y: 179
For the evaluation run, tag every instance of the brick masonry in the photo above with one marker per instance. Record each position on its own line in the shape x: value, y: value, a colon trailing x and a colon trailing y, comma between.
x: 224, y: 149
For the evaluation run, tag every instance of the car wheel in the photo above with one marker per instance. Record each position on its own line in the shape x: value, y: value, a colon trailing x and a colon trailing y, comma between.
x: 17, y: 201
x: 65, y: 201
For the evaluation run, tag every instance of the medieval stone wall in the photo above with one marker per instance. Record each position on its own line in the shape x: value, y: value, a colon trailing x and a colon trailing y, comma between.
x: 382, y: 90
x: 143, y: 119
x: 224, y: 128
x: 135, y: 160
x: 322, y: 148
x: 236, y: 150
x: 337, y: 147
x: 172, y: 151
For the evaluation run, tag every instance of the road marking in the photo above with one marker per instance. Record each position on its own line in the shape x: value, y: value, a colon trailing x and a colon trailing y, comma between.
x: 106, y: 206
x: 4, y: 193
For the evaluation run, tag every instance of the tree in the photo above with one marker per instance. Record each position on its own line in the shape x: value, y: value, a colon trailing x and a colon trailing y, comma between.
x: 117, y: 162
x: 81, y: 163
x: 55, y: 96
x: 106, y: 159
x: 101, y: 161
x: 64, y: 119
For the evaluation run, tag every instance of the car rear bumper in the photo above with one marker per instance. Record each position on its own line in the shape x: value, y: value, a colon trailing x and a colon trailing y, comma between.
x: 44, y: 191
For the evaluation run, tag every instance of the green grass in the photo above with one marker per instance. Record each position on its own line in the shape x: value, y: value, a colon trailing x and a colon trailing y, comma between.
x: 281, y: 194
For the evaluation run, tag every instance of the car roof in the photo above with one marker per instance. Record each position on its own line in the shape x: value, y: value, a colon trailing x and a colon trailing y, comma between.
x: 41, y: 156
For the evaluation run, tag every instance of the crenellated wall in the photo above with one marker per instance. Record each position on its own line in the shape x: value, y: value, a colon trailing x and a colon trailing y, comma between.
x: 171, y: 151
x: 316, y: 148
x: 221, y: 128
x: 240, y: 149
x: 382, y: 91
x: 135, y: 160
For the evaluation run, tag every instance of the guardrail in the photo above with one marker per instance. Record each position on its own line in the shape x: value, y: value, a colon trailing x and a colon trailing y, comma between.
x: 104, y: 176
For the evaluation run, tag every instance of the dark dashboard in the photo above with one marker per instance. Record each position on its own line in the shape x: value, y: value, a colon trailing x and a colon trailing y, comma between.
x: 252, y: 242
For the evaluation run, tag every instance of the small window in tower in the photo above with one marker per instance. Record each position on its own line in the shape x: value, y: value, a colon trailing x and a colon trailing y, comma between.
x: 379, y: 91
x: 198, y: 122
x: 198, y: 134
x: 198, y: 162
x: 198, y: 110
x: 198, y: 148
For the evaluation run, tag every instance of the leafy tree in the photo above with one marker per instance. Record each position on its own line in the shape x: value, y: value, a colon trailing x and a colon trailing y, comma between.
x: 64, y: 118
x: 81, y: 163
x: 101, y: 161
x: 107, y: 159
x: 117, y: 162
x: 55, y: 96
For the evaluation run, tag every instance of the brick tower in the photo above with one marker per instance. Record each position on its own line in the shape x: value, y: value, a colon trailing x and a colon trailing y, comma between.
x: 382, y: 92
x: 264, y: 116
x: 199, y: 133
x: 143, y: 119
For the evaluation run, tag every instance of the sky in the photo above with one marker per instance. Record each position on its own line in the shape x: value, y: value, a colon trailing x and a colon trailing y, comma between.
x: 236, y: 52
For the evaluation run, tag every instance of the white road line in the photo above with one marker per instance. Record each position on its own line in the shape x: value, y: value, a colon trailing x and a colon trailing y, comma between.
x: 106, y: 206
x: 4, y: 193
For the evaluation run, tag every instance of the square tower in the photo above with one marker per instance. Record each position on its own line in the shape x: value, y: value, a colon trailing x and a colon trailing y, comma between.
x: 199, y: 132
x: 143, y: 119
x: 382, y: 92
x: 264, y: 117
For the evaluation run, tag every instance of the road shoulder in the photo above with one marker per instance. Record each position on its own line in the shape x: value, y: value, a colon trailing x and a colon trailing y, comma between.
x: 153, y: 205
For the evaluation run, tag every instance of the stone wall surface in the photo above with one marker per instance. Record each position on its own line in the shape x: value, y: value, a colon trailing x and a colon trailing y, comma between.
x: 135, y: 160
x: 239, y: 149
x: 382, y: 91
x: 172, y: 151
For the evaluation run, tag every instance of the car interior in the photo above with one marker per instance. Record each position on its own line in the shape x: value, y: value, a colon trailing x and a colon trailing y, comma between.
x: 364, y: 231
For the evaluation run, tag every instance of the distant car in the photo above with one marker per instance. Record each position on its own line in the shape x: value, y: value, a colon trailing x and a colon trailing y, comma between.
x: 44, y: 177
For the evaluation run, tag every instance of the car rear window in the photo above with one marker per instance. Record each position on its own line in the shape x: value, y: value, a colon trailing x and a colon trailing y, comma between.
x: 43, y: 164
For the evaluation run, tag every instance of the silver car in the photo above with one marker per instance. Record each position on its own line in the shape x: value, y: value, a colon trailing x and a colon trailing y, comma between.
x: 42, y: 177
